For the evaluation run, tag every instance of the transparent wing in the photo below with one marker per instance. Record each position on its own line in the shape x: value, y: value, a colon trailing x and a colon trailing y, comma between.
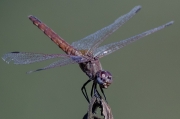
x: 107, y: 49
x: 96, y: 38
x: 62, y: 62
x: 28, y: 57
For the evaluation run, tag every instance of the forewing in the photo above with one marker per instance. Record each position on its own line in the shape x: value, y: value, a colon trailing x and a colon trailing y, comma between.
x: 107, y: 49
x: 96, y: 38
x: 28, y: 57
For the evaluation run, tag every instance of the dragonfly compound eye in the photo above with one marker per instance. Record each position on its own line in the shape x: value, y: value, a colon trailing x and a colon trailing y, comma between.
x: 104, y: 78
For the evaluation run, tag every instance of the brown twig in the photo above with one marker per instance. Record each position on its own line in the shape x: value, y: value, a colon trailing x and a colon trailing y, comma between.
x: 98, y: 103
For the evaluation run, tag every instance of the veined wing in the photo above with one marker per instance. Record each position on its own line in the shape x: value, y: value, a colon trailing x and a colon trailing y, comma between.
x: 96, y: 38
x: 107, y: 49
x: 28, y: 57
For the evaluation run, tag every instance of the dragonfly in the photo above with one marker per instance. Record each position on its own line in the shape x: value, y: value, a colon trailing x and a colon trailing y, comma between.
x: 86, y: 52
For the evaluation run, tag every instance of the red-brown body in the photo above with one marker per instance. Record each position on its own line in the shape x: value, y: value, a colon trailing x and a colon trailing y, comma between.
x: 90, y: 68
x: 66, y: 47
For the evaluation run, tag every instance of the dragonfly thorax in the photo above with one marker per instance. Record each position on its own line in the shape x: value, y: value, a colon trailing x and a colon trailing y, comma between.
x: 104, y: 78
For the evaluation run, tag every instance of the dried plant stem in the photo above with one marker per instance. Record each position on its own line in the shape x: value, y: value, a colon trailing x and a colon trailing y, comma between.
x: 98, y: 103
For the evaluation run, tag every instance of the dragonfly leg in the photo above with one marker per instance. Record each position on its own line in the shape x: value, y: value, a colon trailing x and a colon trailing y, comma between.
x: 96, y: 93
x: 92, y: 89
x: 83, y: 89
x: 103, y: 93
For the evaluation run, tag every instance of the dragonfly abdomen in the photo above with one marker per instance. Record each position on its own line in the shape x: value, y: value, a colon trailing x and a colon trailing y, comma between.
x: 66, y: 47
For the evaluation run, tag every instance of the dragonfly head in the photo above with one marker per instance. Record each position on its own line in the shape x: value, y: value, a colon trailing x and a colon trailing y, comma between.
x: 104, y: 79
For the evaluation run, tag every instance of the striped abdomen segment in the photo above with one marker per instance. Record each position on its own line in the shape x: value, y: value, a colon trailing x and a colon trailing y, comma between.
x: 67, y: 48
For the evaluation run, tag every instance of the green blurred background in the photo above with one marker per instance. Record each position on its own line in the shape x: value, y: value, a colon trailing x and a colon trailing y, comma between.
x: 146, y: 73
